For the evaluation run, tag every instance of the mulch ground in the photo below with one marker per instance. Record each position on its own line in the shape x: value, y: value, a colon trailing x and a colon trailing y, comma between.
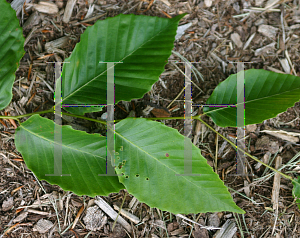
x: 264, y: 33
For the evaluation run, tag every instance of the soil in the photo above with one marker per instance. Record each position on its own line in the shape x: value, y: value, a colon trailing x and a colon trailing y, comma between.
x: 210, y: 42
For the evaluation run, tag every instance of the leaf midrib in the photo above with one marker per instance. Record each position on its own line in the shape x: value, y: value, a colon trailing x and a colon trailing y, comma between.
x: 253, y: 100
x: 184, y: 177
x: 71, y: 94
x: 67, y: 147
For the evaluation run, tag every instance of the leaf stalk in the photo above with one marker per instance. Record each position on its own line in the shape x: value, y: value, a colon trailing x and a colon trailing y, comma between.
x: 237, y: 148
x: 198, y: 117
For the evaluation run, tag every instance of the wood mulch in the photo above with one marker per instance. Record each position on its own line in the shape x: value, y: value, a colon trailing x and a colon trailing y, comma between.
x: 266, y: 34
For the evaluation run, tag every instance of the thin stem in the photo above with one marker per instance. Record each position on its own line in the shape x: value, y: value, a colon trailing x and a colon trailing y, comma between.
x: 119, y: 212
x: 156, y: 118
x: 50, y: 111
x: 82, y: 117
x: 26, y: 115
x: 162, y: 118
x: 252, y: 157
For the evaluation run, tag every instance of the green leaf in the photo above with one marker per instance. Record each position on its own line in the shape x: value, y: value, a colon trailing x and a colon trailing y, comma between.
x: 83, y: 157
x: 142, y: 43
x: 11, y: 51
x: 266, y: 95
x: 296, y: 190
x: 150, y: 154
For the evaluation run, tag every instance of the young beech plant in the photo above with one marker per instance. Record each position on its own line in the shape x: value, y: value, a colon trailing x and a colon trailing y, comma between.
x: 149, y: 156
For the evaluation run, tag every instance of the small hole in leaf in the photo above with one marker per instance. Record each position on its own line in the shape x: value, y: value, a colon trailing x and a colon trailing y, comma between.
x: 147, y: 179
x: 137, y: 175
x: 123, y: 162
x: 126, y: 176
x: 167, y: 155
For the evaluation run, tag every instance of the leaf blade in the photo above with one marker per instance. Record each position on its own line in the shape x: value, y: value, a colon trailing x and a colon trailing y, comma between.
x: 156, y: 152
x: 142, y: 43
x: 11, y: 51
x: 296, y: 190
x: 83, y: 156
x: 266, y: 95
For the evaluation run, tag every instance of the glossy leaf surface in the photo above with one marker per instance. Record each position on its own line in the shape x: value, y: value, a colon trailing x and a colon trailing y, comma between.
x: 142, y: 43
x: 150, y: 155
x: 266, y: 95
x: 11, y: 51
x: 296, y: 190
x: 83, y: 157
